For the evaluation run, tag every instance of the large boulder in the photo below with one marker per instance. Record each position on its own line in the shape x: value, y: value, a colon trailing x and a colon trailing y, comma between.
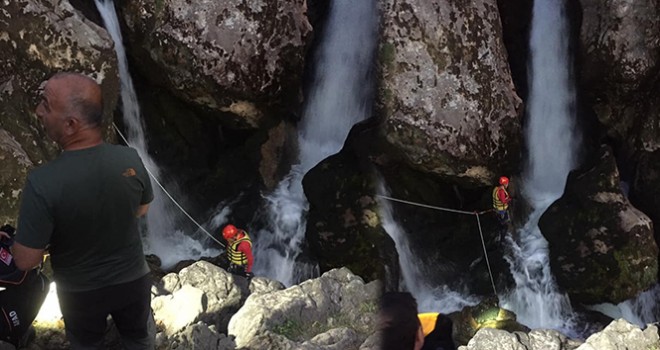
x: 39, y: 38
x: 538, y: 339
x: 315, y: 312
x: 620, y: 51
x: 344, y: 226
x: 199, y: 292
x: 446, y: 91
x: 601, y: 248
x: 198, y: 336
x: 242, y: 57
x: 621, y: 334
x: 645, y: 187
x: 15, y: 166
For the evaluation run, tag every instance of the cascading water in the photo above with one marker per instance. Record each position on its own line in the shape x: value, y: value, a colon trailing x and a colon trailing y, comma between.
x: 340, y: 96
x: 163, y: 239
x: 552, y: 144
x: 642, y: 310
x: 430, y: 297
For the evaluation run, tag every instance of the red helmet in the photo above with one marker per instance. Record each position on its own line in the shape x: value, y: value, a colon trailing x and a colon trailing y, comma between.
x: 230, y: 231
x: 504, y: 180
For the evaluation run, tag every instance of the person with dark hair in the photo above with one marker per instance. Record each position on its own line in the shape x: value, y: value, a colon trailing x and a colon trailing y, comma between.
x: 399, y: 325
x: 84, y: 206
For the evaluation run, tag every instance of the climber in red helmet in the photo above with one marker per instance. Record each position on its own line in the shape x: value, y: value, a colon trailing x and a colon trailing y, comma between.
x: 501, y: 200
x: 239, y: 251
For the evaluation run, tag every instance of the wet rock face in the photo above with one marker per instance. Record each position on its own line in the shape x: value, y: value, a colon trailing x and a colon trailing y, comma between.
x: 620, y: 42
x: 601, y: 247
x: 241, y: 57
x: 645, y: 189
x: 37, y: 39
x: 15, y: 166
x: 446, y: 90
x: 343, y: 223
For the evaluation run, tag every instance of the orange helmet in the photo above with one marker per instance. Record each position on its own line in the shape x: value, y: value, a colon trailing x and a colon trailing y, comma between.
x: 230, y: 231
x: 504, y: 180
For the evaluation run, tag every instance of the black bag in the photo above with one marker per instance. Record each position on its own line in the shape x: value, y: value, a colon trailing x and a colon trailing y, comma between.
x: 21, y: 297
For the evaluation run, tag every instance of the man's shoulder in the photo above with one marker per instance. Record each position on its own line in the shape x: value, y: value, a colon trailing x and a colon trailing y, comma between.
x: 62, y: 164
x: 119, y: 154
x: 120, y: 149
x: 43, y: 171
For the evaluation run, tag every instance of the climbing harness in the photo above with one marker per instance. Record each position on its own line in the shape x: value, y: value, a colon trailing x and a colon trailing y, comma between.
x: 168, y: 194
x: 475, y: 213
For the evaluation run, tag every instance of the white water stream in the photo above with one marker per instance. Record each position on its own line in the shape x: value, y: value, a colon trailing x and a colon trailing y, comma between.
x: 431, y: 296
x: 552, y: 144
x: 642, y: 310
x: 163, y: 238
x: 339, y: 98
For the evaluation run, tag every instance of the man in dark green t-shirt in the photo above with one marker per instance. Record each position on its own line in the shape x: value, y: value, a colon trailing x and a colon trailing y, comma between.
x: 83, y: 207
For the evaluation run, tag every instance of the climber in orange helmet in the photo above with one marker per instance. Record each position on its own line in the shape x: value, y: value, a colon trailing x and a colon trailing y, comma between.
x: 239, y: 251
x: 501, y: 200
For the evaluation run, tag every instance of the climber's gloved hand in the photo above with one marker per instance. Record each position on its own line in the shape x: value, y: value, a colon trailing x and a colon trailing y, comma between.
x: 8, y: 229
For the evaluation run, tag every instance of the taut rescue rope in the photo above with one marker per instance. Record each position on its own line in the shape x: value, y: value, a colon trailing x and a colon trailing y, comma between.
x: 475, y: 213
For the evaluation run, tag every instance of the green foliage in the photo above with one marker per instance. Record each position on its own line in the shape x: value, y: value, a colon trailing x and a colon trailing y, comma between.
x: 387, y: 52
x: 368, y: 307
x: 290, y: 329
x: 159, y: 5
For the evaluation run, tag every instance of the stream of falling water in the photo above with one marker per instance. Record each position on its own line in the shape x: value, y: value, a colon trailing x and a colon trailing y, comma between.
x: 163, y: 238
x: 340, y: 96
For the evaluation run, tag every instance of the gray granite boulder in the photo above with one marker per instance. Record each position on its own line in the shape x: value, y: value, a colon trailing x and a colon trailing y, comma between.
x: 37, y: 39
x: 241, y: 57
x: 602, y: 248
x: 446, y: 94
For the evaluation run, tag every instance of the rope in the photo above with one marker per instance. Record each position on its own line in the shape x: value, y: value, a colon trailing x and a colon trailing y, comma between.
x: 475, y: 213
x: 168, y: 194
x: 483, y: 244
x: 437, y: 208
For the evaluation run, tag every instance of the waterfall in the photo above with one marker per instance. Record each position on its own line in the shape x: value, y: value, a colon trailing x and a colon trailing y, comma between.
x: 339, y: 97
x: 641, y: 310
x: 430, y: 297
x: 163, y: 239
x: 552, y: 144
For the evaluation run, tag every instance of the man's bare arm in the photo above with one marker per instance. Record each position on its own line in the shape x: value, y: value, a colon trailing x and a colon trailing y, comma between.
x: 142, y: 210
x: 26, y: 258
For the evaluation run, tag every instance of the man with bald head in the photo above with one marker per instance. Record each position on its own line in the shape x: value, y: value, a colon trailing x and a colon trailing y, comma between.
x: 83, y: 207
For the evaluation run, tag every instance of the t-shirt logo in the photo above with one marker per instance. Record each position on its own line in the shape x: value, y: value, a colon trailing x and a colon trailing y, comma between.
x: 5, y: 256
x: 129, y: 172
